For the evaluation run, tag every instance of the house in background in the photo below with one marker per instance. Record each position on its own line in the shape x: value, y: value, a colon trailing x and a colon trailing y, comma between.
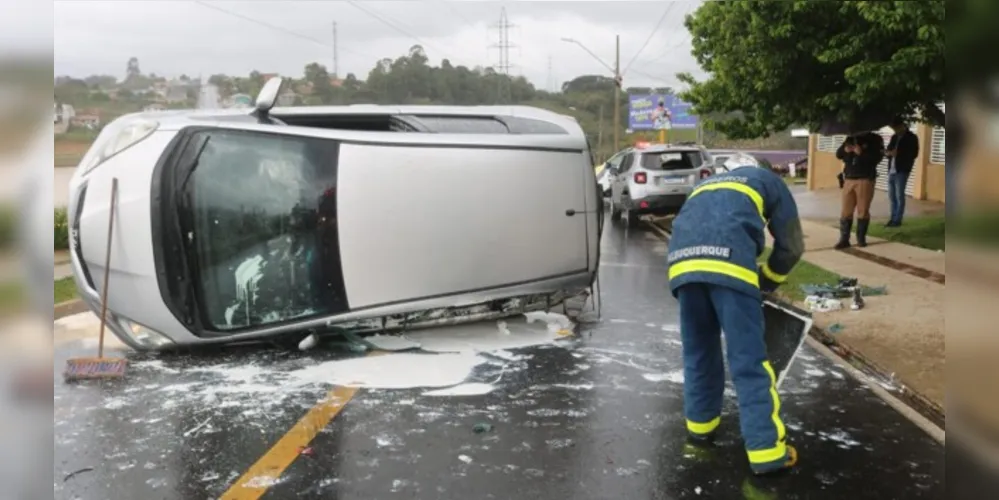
x: 176, y: 94
x: 88, y: 121
x: 238, y: 101
x: 287, y: 98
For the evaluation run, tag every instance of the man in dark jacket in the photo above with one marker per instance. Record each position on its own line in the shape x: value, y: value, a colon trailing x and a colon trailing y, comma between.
x: 860, y: 155
x: 717, y: 238
x: 901, y: 152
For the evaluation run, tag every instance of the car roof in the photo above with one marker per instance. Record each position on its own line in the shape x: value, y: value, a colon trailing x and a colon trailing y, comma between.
x: 175, y: 119
x: 668, y: 148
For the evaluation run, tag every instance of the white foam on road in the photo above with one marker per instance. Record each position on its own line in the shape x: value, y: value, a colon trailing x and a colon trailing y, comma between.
x: 675, y: 377
x: 535, y: 329
x: 469, y: 389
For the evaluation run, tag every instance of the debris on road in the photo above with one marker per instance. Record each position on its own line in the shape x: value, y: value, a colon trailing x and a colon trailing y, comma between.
x: 835, y: 328
x: 818, y: 303
x: 308, y: 342
x: 197, y: 427
x: 306, y: 451
x: 482, y: 427
x: 78, y: 471
x: 842, y: 290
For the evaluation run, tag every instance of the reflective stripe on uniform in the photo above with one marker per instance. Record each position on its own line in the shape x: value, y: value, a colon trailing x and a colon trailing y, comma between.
x: 717, y: 267
x: 771, y: 275
x: 735, y: 186
x: 703, y: 428
x: 779, y: 451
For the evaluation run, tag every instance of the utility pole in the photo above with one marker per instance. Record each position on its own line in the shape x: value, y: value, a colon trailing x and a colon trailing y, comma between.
x: 600, y: 133
x: 336, y: 58
x: 504, y: 46
x: 617, y: 91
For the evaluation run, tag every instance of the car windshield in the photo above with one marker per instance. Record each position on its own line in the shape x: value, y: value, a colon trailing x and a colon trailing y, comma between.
x: 672, y: 160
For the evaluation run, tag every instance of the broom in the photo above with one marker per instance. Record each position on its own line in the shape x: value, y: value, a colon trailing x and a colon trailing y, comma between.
x: 100, y: 367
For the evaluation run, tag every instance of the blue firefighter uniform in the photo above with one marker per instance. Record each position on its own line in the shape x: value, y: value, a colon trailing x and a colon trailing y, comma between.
x: 717, y: 238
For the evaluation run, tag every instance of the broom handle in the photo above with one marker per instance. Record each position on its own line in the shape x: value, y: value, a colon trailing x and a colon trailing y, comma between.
x: 107, y: 268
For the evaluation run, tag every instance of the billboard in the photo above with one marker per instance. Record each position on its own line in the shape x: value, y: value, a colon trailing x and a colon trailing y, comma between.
x: 645, y: 112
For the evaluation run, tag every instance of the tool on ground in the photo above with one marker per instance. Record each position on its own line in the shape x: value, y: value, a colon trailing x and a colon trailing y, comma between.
x: 100, y: 367
x: 858, y: 300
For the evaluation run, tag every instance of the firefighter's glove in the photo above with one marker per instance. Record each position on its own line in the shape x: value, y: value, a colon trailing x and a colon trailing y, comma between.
x: 767, y: 285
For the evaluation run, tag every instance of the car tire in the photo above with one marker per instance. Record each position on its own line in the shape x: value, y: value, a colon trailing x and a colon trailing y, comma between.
x: 615, y: 212
x: 634, y: 220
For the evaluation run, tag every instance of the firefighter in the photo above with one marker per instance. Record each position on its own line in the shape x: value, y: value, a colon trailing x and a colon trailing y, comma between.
x: 717, y: 238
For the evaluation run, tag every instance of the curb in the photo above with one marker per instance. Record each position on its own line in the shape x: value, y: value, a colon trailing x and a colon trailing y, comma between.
x: 932, y: 428
x: 69, y: 308
x: 929, y: 410
x: 926, y: 409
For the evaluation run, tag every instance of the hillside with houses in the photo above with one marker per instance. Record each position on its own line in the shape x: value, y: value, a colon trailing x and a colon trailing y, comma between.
x: 84, y: 105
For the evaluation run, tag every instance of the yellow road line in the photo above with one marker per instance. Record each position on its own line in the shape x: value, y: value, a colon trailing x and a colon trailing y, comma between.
x: 268, y: 469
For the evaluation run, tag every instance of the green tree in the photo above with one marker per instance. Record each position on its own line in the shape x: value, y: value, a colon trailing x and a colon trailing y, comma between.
x: 319, y: 77
x: 833, y: 66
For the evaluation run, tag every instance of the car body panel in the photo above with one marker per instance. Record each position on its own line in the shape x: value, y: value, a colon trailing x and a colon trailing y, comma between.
x: 426, y: 220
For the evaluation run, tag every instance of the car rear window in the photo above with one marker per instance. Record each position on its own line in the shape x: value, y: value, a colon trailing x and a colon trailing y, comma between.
x: 672, y: 160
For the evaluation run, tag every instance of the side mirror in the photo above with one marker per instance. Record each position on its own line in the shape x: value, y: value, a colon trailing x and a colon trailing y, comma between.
x: 266, y: 98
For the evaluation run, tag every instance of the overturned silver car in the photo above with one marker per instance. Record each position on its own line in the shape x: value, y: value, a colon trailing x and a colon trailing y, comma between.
x: 234, y: 226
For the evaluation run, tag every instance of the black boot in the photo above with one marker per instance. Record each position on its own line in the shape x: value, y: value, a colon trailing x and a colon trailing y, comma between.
x: 845, y: 225
x: 862, y: 225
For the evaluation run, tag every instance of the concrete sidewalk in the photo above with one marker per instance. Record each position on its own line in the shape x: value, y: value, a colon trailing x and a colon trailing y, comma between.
x: 902, y: 333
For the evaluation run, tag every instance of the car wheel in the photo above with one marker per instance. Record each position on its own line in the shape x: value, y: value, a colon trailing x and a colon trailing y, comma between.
x: 615, y: 212
x: 634, y: 220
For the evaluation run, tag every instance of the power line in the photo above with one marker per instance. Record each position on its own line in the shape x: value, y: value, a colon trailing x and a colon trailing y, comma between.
x: 394, y: 27
x: 667, y: 51
x: 651, y: 34
x: 454, y: 11
x: 275, y: 27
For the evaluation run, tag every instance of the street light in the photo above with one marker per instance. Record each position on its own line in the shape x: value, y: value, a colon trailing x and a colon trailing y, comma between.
x: 616, y: 70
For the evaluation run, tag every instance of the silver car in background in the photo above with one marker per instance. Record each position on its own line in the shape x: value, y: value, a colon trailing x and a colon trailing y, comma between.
x: 233, y: 226
x: 656, y: 180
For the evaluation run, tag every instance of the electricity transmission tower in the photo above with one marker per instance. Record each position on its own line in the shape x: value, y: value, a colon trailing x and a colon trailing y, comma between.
x: 503, y: 67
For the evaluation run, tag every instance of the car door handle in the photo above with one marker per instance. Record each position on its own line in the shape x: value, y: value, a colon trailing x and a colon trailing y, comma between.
x: 570, y: 212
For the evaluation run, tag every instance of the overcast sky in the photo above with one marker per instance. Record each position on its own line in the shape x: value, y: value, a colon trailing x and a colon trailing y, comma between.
x: 177, y: 37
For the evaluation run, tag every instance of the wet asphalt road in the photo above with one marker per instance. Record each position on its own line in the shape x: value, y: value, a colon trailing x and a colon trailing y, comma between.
x: 596, y: 417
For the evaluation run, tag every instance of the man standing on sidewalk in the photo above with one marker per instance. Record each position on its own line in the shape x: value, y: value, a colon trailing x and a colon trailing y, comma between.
x: 901, y: 152
x: 717, y: 238
x: 860, y: 155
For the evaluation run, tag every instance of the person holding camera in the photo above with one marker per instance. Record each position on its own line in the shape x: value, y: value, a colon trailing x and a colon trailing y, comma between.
x: 860, y: 155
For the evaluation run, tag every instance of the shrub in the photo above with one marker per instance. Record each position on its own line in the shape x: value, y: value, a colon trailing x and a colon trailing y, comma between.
x: 61, y: 222
x: 8, y: 226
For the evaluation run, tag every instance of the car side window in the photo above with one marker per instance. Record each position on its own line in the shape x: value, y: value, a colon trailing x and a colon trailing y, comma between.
x: 627, y: 162
x: 259, y: 227
x: 615, y: 161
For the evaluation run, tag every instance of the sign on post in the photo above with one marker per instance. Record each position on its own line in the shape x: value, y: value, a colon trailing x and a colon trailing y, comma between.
x: 659, y: 112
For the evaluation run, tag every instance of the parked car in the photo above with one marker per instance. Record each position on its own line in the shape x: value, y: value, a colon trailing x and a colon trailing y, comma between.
x: 656, y: 179
x: 604, y: 177
x: 233, y: 226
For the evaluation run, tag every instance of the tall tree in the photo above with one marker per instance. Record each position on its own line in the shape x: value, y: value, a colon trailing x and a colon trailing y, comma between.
x: 319, y: 77
x: 832, y: 66
x: 132, y: 69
